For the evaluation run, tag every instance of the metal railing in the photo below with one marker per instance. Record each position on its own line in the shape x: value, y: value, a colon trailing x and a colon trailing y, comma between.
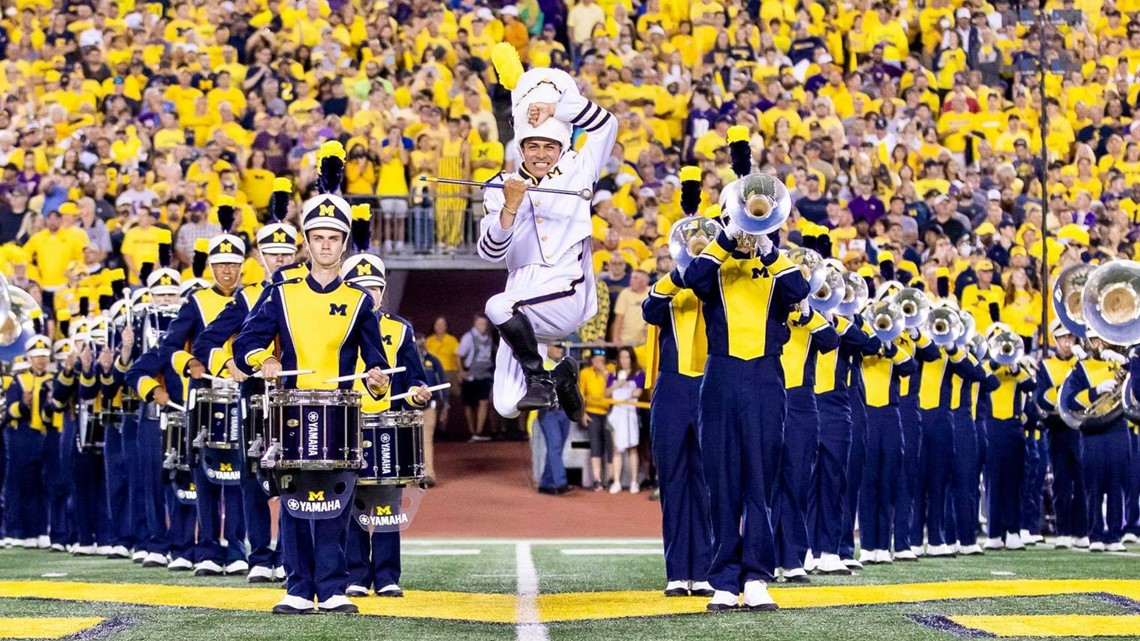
x: 425, y: 233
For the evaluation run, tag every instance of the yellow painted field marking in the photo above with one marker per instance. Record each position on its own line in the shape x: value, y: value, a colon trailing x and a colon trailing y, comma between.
x: 1064, y: 625
x: 580, y: 606
x: 44, y: 627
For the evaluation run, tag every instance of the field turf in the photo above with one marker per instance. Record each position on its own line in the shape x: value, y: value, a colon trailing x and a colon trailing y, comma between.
x: 606, y: 590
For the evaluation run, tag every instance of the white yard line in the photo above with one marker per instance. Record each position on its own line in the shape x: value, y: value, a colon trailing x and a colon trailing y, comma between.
x: 578, y: 541
x: 613, y: 551
x: 529, y: 627
x: 442, y: 552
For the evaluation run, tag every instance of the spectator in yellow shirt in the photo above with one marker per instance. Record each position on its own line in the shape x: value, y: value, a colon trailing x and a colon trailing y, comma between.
x: 140, y: 244
x: 53, y: 249
x: 983, y: 299
x: 445, y: 347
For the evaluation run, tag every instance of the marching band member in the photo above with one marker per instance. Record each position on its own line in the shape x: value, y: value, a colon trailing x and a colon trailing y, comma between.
x: 884, y: 449
x: 106, y: 393
x: 747, y: 287
x: 373, y: 559
x: 810, y: 335
x: 170, y: 522
x: 1064, y: 442
x: 1005, y: 456
x: 544, y: 238
x: 969, y: 448
x: 277, y: 247
x: 829, y: 483
x: 324, y: 325
x: 681, y: 343
x: 1105, y: 448
x: 1036, y: 460
x: 225, y: 254
x: 857, y: 453
x: 125, y: 398
x: 59, y: 460
x: 24, y: 444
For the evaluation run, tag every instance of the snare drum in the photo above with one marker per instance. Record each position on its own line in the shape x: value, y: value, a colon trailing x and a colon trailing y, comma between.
x: 255, y: 429
x: 314, y: 430
x: 393, y: 449
x: 112, y: 419
x: 177, y: 441
x: 91, y: 431
x: 216, y: 417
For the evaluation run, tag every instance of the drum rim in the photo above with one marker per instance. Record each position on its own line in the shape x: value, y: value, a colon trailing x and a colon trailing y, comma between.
x: 292, y: 396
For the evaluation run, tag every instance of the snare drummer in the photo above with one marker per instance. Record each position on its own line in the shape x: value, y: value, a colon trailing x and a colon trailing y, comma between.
x: 324, y: 325
x: 277, y: 246
x: 374, y: 559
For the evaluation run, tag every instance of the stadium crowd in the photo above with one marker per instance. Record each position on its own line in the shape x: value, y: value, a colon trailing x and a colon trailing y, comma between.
x: 905, y: 130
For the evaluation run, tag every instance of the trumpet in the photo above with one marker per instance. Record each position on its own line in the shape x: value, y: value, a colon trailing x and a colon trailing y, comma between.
x: 1067, y: 298
x: 1005, y: 347
x: 810, y: 265
x: 758, y: 203
x: 1110, y: 302
x: 968, y: 328
x: 915, y: 306
x: 945, y: 326
x: 887, y: 320
x: 688, y: 238
x: 854, y: 296
x: 832, y: 292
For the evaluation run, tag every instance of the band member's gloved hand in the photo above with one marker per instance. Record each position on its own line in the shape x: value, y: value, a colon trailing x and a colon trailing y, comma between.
x: 805, y: 310
x: 1112, y: 356
x: 270, y: 368
x: 1079, y: 352
x: 732, y: 230
x: 106, y: 359
x: 377, y: 380
x: 764, y: 245
x: 235, y: 373
x: 889, y: 350
x: 914, y: 333
x: 1106, y: 387
x: 160, y: 396
x: 195, y: 368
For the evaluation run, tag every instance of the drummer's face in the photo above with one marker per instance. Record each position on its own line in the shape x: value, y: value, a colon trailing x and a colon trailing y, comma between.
x: 39, y: 363
x: 226, y: 275
x: 165, y: 299
x: 273, y: 262
x: 326, y: 247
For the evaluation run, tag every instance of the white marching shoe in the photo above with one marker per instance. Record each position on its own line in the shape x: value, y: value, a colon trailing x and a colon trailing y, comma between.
x: 207, y: 568
x: 723, y: 601
x: 1063, y: 542
x: 994, y: 544
x: 260, y: 574
x: 796, y: 575
x: 1082, y: 543
x: 672, y: 589
x: 1013, y: 542
x: 356, y: 590
x: 918, y: 551
x: 1130, y: 538
x: 180, y: 565
x: 852, y: 564
x: 1096, y: 547
x: 905, y: 556
x: 58, y: 547
x: 701, y: 588
x: 940, y: 550
x: 43, y: 542
x: 279, y: 573
x: 237, y: 567
x: 119, y: 552
x: 293, y: 605
x: 103, y: 550
x: 1116, y: 547
x: 757, y: 598
x: 971, y: 550
x: 154, y: 560
x: 339, y: 604
x: 810, y: 562
x: 390, y: 590
x: 832, y: 564
x: 884, y: 557
x: 84, y: 550
x: 870, y: 557
x: 138, y: 556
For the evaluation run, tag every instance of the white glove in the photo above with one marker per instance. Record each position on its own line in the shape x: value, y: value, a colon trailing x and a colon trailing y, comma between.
x: 763, y: 245
x: 1106, y: 387
x: 1079, y: 352
x: 732, y: 230
x: 805, y: 309
x: 914, y: 333
x: 1111, y: 356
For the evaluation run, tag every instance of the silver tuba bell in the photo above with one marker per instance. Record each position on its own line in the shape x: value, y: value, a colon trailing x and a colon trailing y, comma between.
x: 1129, y: 401
x: 968, y: 328
x: 811, y: 266
x: 945, y: 325
x: 887, y: 320
x: 688, y: 238
x: 834, y: 288
x: 1005, y: 347
x: 915, y: 306
x: 854, y: 296
x: 1067, y: 297
x: 1110, y: 302
x: 19, y: 308
x: 758, y: 203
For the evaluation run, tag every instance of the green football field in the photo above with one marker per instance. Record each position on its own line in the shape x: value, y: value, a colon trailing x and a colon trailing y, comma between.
x: 582, y: 589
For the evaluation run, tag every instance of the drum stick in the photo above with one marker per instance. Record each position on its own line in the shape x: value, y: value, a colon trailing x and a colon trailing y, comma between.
x: 433, y: 388
x: 175, y: 406
x: 360, y: 377
x: 287, y: 372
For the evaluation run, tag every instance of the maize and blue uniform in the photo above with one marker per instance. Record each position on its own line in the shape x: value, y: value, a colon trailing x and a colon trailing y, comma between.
x: 1036, y: 464
x: 212, y: 348
x: 810, y: 336
x: 24, y: 434
x: 170, y: 522
x: 325, y: 329
x: 742, y: 402
x: 673, y: 423
x: 1105, y: 452
x: 59, y: 461
x: 199, y: 310
x: 116, y: 457
x: 90, y: 518
x: 131, y: 471
x: 373, y: 559
x: 1065, y: 454
x: 969, y: 406
x: 829, y: 474
x: 1005, y: 459
x: 936, y: 451
x: 884, y: 445
x: 857, y: 395
x: 910, y: 419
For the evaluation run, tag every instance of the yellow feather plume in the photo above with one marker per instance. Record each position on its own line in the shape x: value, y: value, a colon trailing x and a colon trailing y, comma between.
x: 162, y: 236
x: 283, y: 184
x: 737, y: 133
x: 362, y: 212
x: 330, y: 148
x: 690, y: 173
x: 202, y: 245
x: 226, y: 200
x: 507, y: 64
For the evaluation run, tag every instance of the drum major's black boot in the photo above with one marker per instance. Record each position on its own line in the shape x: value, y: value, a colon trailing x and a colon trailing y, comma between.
x: 565, y: 375
x: 519, y: 334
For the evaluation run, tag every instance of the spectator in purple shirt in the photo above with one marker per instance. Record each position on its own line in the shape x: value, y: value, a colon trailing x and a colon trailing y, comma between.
x: 275, y: 143
x: 866, y: 205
